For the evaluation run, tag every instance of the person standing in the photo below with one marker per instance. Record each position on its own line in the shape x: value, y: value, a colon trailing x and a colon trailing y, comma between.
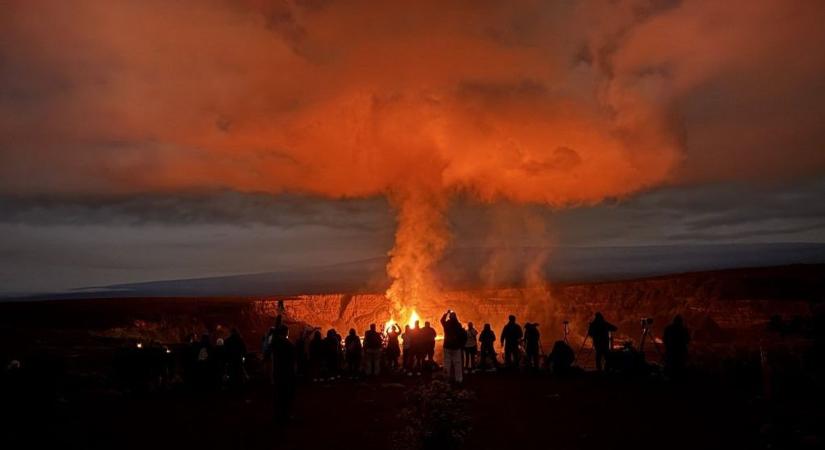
x: 487, y: 339
x: 418, y: 347
x: 470, y: 348
x: 393, y: 350
x: 428, y: 335
x: 454, y: 340
x: 235, y: 358
x: 599, y: 330
x: 511, y: 336
x: 372, y: 350
x: 407, y: 346
x: 676, y: 339
x: 283, y: 356
x: 332, y: 347
x: 353, y: 348
x: 316, y: 356
x: 531, y: 345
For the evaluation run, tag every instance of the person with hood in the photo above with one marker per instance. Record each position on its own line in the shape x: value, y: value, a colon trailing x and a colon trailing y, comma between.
x: 676, y: 339
x: 373, y: 342
x: 599, y: 331
x: 487, y: 339
x: 454, y: 340
x: 511, y: 336
x: 352, y: 346
x: 470, y: 348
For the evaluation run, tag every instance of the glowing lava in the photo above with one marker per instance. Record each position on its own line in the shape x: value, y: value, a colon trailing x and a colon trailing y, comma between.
x: 411, y: 322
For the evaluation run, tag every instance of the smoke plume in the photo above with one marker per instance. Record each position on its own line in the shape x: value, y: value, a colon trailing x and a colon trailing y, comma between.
x: 558, y: 104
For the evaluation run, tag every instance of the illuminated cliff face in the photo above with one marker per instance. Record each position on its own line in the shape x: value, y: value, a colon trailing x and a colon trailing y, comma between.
x: 717, y: 308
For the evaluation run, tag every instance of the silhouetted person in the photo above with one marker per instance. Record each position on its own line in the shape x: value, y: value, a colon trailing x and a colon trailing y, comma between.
x: 317, y: 355
x: 531, y: 344
x: 407, y: 358
x: 332, y: 346
x: 428, y: 335
x: 419, y: 350
x: 372, y: 350
x: 676, y: 339
x: 599, y: 331
x: 487, y: 339
x: 266, y: 340
x: 190, y: 361
x: 511, y: 336
x: 302, y: 352
x: 352, y: 344
x: 283, y: 356
x: 561, y: 358
x: 235, y: 348
x: 454, y: 339
x: 203, y: 362
x: 470, y: 347
x: 393, y: 350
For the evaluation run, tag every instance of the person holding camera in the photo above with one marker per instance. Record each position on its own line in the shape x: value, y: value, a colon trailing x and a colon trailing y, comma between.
x: 454, y: 339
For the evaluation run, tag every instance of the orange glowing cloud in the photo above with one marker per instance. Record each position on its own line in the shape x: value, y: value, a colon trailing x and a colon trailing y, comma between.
x: 557, y: 104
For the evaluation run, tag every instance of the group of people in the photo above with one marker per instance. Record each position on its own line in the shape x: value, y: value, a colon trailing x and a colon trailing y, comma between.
x: 208, y: 364
x: 464, y: 349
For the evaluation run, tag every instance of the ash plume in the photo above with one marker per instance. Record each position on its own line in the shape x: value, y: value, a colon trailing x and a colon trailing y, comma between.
x: 556, y: 104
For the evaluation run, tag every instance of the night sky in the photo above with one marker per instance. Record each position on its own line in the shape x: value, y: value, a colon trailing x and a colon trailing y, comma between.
x: 151, y: 140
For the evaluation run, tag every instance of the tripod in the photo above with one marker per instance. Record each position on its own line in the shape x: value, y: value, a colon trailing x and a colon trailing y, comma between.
x: 647, y: 331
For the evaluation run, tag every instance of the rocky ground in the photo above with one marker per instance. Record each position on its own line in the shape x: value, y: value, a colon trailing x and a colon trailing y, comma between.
x: 506, y: 411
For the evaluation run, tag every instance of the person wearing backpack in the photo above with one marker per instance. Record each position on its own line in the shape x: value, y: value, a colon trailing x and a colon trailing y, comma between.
x: 455, y: 337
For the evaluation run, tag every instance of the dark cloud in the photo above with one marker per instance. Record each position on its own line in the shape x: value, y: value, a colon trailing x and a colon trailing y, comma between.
x: 223, y: 207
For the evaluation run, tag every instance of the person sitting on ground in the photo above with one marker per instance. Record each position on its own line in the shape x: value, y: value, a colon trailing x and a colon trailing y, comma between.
x: 428, y: 335
x: 393, y: 350
x: 676, y: 339
x: 599, y: 331
x: 531, y: 345
x: 470, y: 348
x: 372, y: 350
x: 487, y: 338
x: 454, y: 340
x: 560, y: 360
x: 352, y: 345
x: 511, y: 336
